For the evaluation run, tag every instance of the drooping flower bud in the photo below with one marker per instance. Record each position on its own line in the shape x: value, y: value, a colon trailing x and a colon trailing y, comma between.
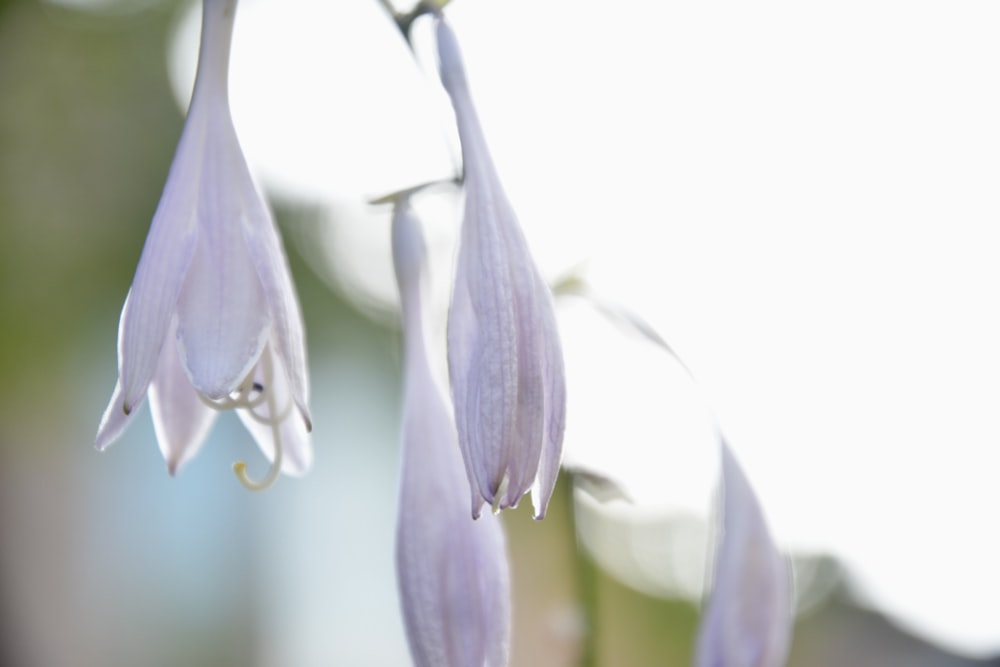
x: 504, y: 354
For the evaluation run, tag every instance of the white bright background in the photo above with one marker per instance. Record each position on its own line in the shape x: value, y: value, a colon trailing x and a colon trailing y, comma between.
x: 801, y: 197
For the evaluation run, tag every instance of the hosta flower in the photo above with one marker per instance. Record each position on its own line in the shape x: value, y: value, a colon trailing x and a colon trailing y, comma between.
x: 212, y: 321
x: 452, y: 571
x: 749, y: 617
x: 504, y: 354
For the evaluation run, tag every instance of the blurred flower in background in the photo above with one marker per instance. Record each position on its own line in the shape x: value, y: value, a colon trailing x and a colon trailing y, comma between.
x: 747, y: 622
x: 809, y: 225
x: 453, y: 574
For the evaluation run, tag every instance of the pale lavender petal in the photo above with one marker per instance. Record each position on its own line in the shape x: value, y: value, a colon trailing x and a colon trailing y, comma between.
x: 223, y: 318
x: 748, y: 620
x: 555, y: 413
x: 114, y: 420
x: 271, y: 265
x: 267, y: 255
x: 482, y: 362
x: 296, y: 443
x: 525, y: 447
x: 452, y: 571
x: 160, y: 275
x: 173, y: 234
x: 223, y: 315
x: 180, y: 417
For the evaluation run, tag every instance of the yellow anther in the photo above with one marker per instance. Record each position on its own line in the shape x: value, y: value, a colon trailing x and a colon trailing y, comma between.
x: 265, y: 395
x: 240, y: 468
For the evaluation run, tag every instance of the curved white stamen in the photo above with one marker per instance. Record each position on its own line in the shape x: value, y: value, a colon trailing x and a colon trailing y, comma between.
x: 241, y: 398
x: 264, y: 419
x: 266, y: 394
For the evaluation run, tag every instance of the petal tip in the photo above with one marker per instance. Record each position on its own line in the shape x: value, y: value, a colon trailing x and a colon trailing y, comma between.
x: 540, y: 503
x: 298, y: 470
x: 478, y: 502
x: 105, y: 436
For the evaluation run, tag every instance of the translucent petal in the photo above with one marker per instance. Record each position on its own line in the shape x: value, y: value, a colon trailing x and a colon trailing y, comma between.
x: 116, y: 417
x: 114, y: 420
x: 482, y: 359
x: 180, y: 417
x: 296, y: 443
x: 271, y: 265
x: 554, y: 378
x: 748, y: 619
x: 223, y: 316
x: 163, y: 265
x: 173, y: 235
x: 530, y: 298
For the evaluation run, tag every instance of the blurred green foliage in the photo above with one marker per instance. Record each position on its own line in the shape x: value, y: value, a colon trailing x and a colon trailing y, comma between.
x: 87, y: 131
